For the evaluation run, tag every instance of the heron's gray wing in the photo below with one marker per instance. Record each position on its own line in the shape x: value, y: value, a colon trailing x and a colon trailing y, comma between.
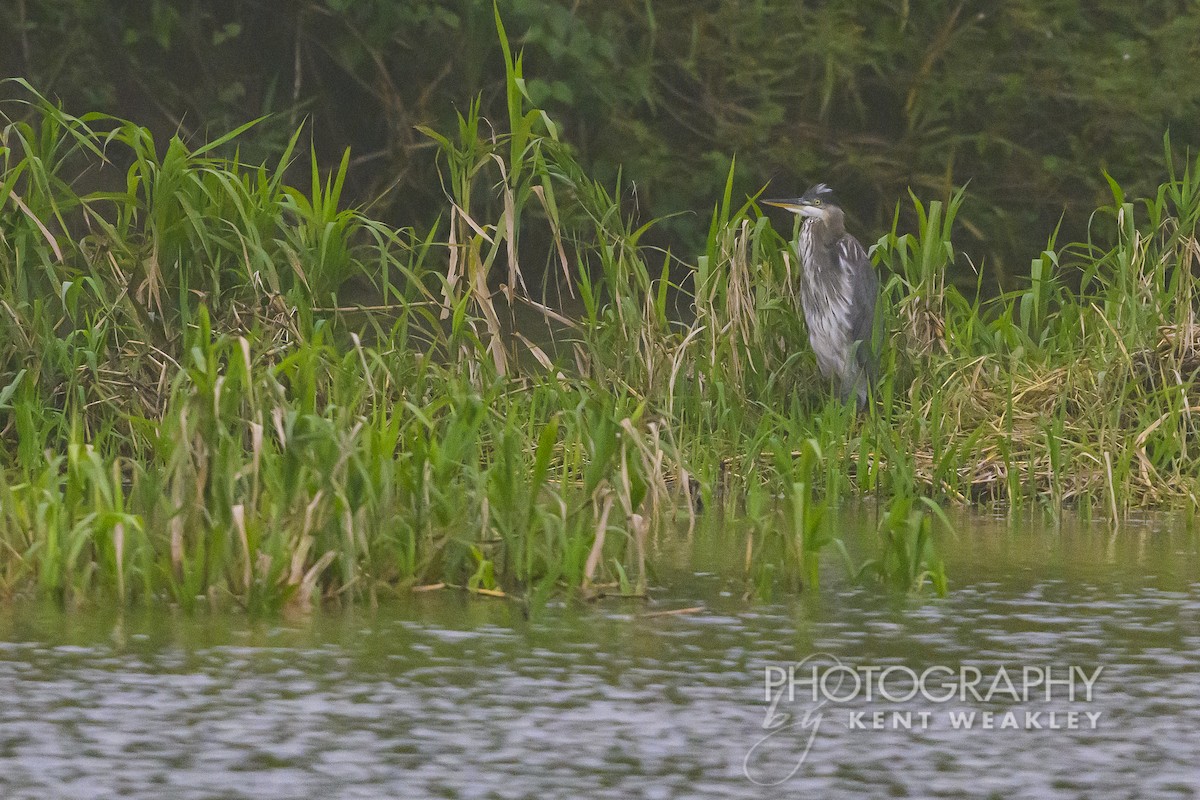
x: 864, y: 287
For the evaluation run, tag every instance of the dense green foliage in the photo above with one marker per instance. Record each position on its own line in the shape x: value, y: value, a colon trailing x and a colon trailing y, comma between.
x: 191, y: 404
x: 1027, y: 101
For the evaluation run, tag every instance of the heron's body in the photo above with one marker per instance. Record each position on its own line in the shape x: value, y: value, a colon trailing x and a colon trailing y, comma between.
x: 838, y: 292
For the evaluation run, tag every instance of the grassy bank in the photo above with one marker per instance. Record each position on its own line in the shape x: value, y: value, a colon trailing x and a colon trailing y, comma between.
x: 192, y: 406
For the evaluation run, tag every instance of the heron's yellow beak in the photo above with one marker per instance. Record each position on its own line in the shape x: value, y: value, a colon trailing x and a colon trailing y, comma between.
x: 790, y: 205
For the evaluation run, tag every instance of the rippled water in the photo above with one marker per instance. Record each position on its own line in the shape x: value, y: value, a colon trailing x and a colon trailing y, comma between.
x: 457, y: 698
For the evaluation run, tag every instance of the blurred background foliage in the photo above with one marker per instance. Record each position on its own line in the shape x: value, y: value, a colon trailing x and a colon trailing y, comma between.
x: 1031, y: 101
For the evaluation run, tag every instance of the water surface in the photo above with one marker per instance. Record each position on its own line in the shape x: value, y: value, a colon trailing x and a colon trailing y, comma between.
x: 450, y: 697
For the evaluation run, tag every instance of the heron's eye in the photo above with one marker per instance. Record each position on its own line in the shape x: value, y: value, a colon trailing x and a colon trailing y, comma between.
x: 817, y: 201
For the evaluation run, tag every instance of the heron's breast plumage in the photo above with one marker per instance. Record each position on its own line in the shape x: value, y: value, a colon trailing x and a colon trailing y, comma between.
x: 826, y: 296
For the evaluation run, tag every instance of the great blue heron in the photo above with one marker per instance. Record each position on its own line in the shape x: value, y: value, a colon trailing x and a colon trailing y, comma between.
x: 838, y: 291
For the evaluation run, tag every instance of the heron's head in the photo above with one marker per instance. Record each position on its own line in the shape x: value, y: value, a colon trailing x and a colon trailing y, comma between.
x: 819, y: 202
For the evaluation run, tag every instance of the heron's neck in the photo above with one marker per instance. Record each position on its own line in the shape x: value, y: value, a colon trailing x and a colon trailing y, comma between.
x: 830, y: 226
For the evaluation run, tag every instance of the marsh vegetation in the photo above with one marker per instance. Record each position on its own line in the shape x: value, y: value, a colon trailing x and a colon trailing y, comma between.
x: 220, y: 380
